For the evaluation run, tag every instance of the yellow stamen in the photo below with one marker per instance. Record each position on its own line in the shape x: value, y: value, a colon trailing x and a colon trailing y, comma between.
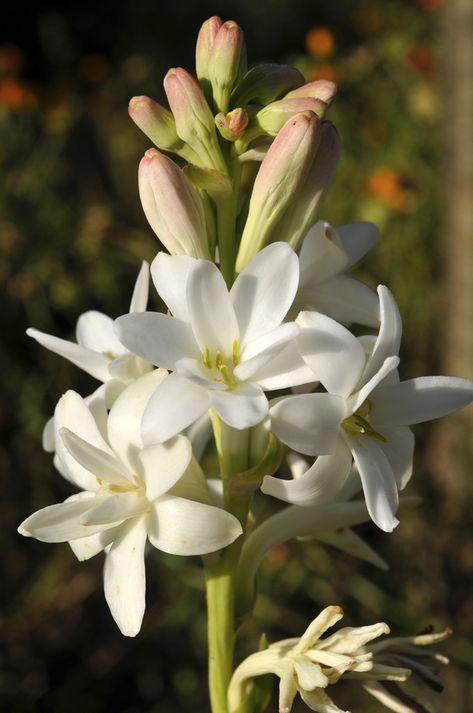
x: 236, y: 352
x: 207, y: 359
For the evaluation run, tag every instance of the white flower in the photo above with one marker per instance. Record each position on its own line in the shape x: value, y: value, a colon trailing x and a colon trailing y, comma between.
x: 224, y: 348
x: 310, y: 664
x: 130, y: 494
x: 366, y: 413
x: 98, y: 351
x: 327, y: 252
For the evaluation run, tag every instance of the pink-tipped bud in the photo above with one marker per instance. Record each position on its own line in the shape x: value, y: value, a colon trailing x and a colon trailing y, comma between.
x: 273, y: 117
x: 232, y: 125
x: 224, y: 63
x: 172, y: 206
x: 155, y: 121
x: 281, y: 174
x: 303, y: 212
x: 321, y: 89
x: 265, y: 83
x: 194, y: 120
x: 203, y: 49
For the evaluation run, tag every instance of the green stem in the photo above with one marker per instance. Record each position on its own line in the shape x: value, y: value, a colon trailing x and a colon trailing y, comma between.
x: 220, y: 570
x: 226, y: 225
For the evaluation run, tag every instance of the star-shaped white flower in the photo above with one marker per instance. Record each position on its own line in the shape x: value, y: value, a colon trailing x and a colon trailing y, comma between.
x: 130, y: 493
x: 326, y: 253
x: 98, y: 351
x: 309, y: 664
x: 225, y: 348
x: 365, y: 414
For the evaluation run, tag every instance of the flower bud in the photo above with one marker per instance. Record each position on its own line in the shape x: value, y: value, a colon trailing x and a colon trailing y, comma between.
x: 273, y: 116
x: 302, y: 211
x: 232, y: 125
x: 203, y: 48
x: 172, y: 206
x: 321, y: 89
x: 224, y: 63
x: 265, y: 83
x: 280, y: 177
x: 158, y: 124
x: 194, y: 120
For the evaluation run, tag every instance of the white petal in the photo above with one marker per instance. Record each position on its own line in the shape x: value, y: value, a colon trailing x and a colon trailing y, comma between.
x: 126, y: 415
x: 103, y: 465
x: 163, y: 464
x: 287, y: 689
x: 309, y: 423
x: 264, y: 290
x: 170, y: 274
x: 320, y: 256
x: 399, y: 450
x: 95, y: 331
x: 72, y: 413
x: 389, y: 337
x: 129, y: 367
x: 242, y: 407
x: 260, y: 351
x: 210, y: 309
x: 319, y: 702
x: 379, y: 484
x: 327, y: 618
x: 139, y: 298
x: 319, y: 484
x: 97, y: 404
x: 357, y: 239
x: 87, y: 547
x: 61, y: 522
x: 124, y: 577
x: 198, y: 373
x: 158, y: 338
x: 360, y: 397
x: 90, y: 361
x: 309, y: 674
x: 175, y: 404
x: 184, y: 527
x: 342, y: 298
x: 285, y: 370
x: 335, y: 356
x: 419, y: 400
x: 48, y: 436
x: 113, y: 509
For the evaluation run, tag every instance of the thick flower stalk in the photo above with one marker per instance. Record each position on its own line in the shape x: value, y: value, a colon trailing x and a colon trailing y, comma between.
x: 259, y: 304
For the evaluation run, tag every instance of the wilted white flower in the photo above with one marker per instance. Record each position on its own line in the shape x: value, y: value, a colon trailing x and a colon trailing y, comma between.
x: 309, y: 665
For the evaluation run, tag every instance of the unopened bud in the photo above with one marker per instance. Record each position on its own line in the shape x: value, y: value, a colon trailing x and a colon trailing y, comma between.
x: 232, y: 125
x: 273, y: 116
x: 302, y: 212
x: 280, y: 177
x: 194, y: 120
x: 159, y: 125
x: 265, y: 83
x: 321, y: 89
x: 224, y: 63
x: 214, y: 182
x: 172, y: 206
x: 205, y: 42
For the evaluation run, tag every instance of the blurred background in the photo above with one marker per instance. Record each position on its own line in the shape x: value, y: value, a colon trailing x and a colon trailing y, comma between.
x: 72, y: 236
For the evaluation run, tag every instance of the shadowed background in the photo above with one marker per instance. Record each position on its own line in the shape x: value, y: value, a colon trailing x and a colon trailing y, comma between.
x: 72, y: 237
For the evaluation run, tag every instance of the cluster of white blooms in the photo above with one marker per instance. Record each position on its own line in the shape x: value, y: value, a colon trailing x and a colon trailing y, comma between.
x: 258, y: 303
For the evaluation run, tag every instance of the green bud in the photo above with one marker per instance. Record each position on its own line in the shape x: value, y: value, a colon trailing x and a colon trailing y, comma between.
x: 203, y: 49
x: 265, y: 83
x: 273, y: 116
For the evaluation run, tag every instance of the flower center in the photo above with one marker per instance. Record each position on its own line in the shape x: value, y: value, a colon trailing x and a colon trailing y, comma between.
x: 358, y: 423
x: 114, y: 488
x: 223, y: 367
